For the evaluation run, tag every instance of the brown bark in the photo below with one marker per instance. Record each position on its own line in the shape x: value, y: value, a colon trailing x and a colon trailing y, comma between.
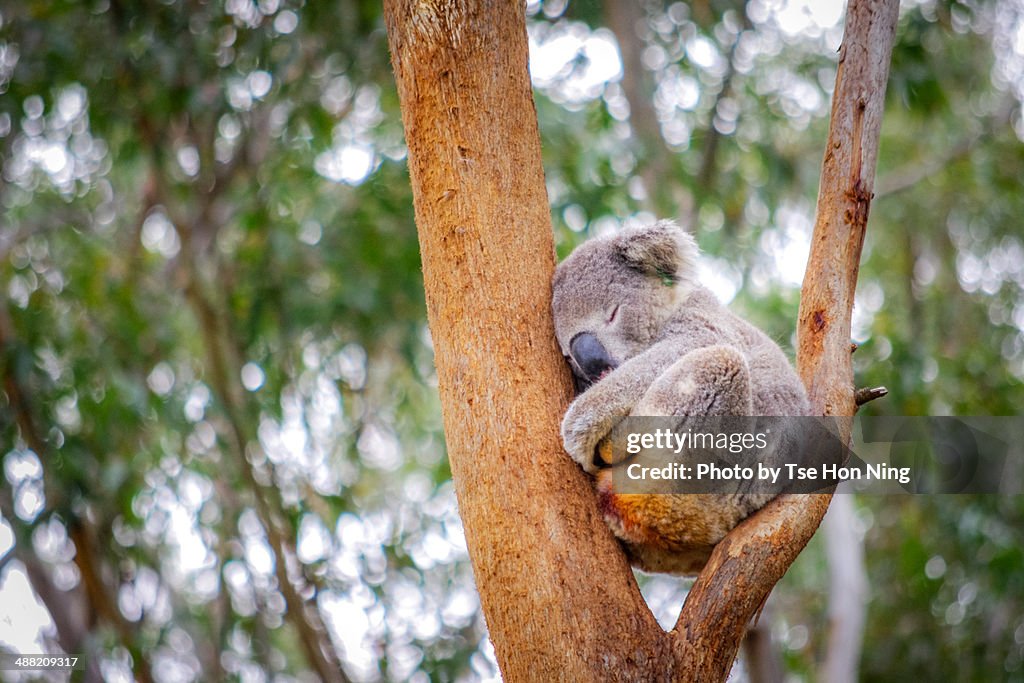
x: 844, y: 196
x: 557, y: 593
x: 560, y: 601
x: 754, y: 556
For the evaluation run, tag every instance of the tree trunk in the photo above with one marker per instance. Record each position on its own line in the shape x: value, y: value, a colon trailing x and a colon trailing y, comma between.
x: 557, y: 593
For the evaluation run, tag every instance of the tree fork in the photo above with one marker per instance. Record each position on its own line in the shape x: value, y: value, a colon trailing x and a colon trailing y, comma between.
x: 557, y: 593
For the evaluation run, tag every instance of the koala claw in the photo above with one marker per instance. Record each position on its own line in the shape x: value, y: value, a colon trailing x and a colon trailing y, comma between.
x: 580, y: 439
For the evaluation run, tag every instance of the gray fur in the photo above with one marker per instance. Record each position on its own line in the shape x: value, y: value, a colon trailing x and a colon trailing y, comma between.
x: 675, y: 350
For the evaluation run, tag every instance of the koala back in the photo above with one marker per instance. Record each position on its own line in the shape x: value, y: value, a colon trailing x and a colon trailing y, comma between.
x: 702, y: 321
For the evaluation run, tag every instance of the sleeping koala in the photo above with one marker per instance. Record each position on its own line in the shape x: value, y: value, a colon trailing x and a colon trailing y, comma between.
x: 644, y: 338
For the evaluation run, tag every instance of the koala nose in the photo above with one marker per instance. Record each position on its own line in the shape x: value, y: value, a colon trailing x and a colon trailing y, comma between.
x: 591, y: 358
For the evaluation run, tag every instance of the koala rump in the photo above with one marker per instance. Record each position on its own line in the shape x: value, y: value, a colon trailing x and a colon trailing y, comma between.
x: 644, y: 338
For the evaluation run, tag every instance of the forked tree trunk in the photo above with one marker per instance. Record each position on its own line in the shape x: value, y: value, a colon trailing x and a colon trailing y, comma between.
x: 559, y: 598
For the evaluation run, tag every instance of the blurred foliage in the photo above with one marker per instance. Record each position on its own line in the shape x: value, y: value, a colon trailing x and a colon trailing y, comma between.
x: 217, y: 399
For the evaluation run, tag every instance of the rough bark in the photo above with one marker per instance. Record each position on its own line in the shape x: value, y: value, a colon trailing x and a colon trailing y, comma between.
x: 844, y: 197
x: 559, y: 599
x: 751, y: 559
x: 558, y: 596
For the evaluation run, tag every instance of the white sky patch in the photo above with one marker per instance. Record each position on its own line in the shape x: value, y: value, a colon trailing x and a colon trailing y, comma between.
x: 253, y: 376
x: 159, y: 236
x: 571, y: 61
x: 350, y: 626
x: 259, y: 556
x: 314, y: 540
x: 6, y: 537
x: 867, y: 302
x: 22, y: 465
x: 347, y: 164
x: 353, y: 154
x: 195, y: 405
x: 259, y: 83
x: 52, y: 157
x: 188, y: 160
x: 286, y: 22
x: 789, y: 244
x: 719, y: 276
x: 23, y: 619
x: 677, y: 90
x: 58, y: 144
x: 665, y: 597
x: 702, y: 52
x: 243, y: 93
x: 1008, y: 50
x: 161, y: 379
x: 797, y: 17
x: 379, y: 448
x: 192, y: 552
x: 24, y: 472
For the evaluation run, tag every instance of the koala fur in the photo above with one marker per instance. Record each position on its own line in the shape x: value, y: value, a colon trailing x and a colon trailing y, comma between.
x: 644, y: 338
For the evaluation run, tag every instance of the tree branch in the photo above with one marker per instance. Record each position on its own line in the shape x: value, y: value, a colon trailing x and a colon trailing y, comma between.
x: 753, y: 557
x: 196, y: 230
x: 224, y: 368
x: 911, y: 174
x: 867, y: 394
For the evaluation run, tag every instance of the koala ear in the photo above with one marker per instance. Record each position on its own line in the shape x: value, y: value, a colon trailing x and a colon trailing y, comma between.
x: 663, y: 249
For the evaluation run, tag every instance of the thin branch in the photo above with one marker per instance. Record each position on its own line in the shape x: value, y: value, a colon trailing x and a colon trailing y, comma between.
x: 709, y: 160
x: 867, y: 394
x: 224, y: 367
x: 746, y: 565
x: 625, y: 19
x: 906, y: 177
x: 16, y: 393
x: 69, y: 610
x: 762, y: 657
x: 103, y: 597
x: 197, y: 230
x: 910, y: 175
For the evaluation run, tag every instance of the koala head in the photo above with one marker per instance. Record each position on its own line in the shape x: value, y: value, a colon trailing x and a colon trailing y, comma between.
x: 613, y: 295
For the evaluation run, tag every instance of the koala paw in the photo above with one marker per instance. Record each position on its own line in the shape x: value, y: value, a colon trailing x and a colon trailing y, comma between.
x: 579, y: 437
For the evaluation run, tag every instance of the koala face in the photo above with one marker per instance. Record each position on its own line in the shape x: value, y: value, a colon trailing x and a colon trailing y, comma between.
x: 612, y: 296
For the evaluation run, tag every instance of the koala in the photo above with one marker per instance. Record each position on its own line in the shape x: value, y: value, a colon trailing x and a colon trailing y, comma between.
x: 644, y: 338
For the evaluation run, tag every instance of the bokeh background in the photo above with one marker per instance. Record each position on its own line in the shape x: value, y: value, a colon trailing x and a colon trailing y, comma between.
x: 220, y: 438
